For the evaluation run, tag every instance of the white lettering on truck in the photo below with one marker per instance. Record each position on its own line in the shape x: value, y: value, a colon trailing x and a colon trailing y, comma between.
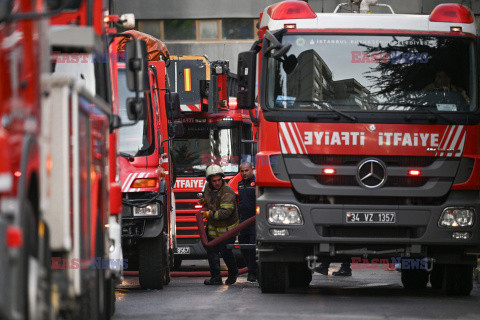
x: 189, y: 184
x: 336, y: 138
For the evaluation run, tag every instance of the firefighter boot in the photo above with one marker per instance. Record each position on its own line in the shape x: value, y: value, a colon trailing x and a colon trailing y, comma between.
x: 214, y: 264
x: 344, y: 271
x: 323, y: 268
x: 213, y: 281
x: 231, y: 279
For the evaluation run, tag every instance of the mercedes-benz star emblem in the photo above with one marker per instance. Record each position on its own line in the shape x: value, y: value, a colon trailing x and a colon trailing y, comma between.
x: 371, y: 173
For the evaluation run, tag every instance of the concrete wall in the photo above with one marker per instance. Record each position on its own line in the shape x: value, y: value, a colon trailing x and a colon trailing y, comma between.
x: 216, y: 9
x: 205, y: 9
x: 214, y: 51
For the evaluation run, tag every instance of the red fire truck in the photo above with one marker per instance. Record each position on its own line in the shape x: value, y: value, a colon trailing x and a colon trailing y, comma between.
x: 368, y: 142
x: 215, y: 131
x: 148, y: 233
x: 55, y: 194
x: 23, y: 247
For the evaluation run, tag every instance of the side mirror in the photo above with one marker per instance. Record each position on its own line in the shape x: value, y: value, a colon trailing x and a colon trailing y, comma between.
x: 6, y: 7
x: 136, y: 109
x: 137, y: 65
x: 247, y: 64
x: 175, y: 129
x: 172, y: 105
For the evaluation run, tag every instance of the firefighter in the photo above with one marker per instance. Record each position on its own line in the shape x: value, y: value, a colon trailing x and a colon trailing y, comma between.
x: 220, y: 200
x: 246, y: 209
x: 443, y: 82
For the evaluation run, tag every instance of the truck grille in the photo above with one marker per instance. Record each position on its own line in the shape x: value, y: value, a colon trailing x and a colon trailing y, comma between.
x: 352, y: 160
x: 368, y: 200
x: 371, y: 232
x: 352, y: 181
x: 392, y: 176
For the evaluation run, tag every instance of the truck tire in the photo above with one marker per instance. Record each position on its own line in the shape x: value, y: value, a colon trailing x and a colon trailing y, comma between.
x: 168, y: 278
x: 132, y: 263
x: 151, y: 262
x: 44, y: 294
x: 414, y: 279
x: 436, y: 276
x: 110, y: 298
x: 167, y: 263
x: 28, y: 251
x: 458, y: 280
x: 299, y: 276
x: 273, y: 277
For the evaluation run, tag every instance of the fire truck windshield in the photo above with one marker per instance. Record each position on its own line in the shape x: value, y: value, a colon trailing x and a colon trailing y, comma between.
x: 401, y: 73
x: 136, y: 140
x: 203, y: 145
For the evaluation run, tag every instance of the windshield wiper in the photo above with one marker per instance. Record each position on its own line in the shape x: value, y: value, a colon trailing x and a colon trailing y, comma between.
x: 417, y: 105
x: 127, y: 155
x: 325, y: 105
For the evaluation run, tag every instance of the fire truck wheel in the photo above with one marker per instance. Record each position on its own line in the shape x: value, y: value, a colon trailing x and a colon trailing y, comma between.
x: 299, y: 276
x: 436, y: 276
x: 151, y: 266
x: 273, y: 277
x: 99, y: 304
x: 44, y: 292
x: 132, y: 263
x: 458, y: 280
x: 28, y: 294
x: 110, y: 298
x: 167, y: 263
x: 414, y: 279
x: 167, y: 276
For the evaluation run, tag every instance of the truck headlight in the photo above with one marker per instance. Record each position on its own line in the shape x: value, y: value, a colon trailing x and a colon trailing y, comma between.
x: 457, y: 217
x: 281, y: 214
x: 150, y: 210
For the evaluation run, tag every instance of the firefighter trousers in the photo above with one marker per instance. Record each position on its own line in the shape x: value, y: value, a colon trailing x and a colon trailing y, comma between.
x: 213, y: 255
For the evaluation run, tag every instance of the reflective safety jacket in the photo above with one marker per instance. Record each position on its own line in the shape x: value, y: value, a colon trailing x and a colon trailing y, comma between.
x: 222, y: 204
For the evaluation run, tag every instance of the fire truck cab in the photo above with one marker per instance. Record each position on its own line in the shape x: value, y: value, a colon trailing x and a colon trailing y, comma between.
x: 148, y: 229
x: 369, y: 130
x: 215, y: 132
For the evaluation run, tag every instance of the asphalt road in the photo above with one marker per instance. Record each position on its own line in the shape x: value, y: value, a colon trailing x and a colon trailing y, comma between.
x: 368, y: 294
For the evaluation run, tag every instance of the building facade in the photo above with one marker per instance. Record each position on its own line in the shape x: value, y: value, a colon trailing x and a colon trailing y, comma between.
x: 220, y: 29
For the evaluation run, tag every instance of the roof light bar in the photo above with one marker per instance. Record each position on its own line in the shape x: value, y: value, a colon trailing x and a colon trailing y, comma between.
x: 291, y: 10
x: 451, y: 12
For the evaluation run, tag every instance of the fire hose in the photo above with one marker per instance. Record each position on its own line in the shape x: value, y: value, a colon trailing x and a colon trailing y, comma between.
x: 209, y: 244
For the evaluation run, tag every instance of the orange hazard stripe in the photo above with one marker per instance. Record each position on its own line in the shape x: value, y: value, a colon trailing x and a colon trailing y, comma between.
x: 188, y: 80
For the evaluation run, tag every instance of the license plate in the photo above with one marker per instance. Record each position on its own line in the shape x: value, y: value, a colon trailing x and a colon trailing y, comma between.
x: 370, y: 217
x: 183, y: 250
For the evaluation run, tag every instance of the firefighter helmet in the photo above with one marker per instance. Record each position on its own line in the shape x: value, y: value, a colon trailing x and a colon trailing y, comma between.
x: 213, y: 171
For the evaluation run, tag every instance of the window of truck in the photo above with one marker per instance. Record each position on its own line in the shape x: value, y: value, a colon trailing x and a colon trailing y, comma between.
x: 374, y: 73
x: 203, y: 145
x: 139, y: 139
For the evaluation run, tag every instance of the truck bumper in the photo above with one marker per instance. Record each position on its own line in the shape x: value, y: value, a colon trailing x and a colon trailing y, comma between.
x: 326, y: 232
x: 115, y: 249
x: 135, y: 227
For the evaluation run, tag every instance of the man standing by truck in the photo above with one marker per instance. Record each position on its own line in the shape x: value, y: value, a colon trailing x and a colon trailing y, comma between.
x: 221, y: 202
x: 246, y: 209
